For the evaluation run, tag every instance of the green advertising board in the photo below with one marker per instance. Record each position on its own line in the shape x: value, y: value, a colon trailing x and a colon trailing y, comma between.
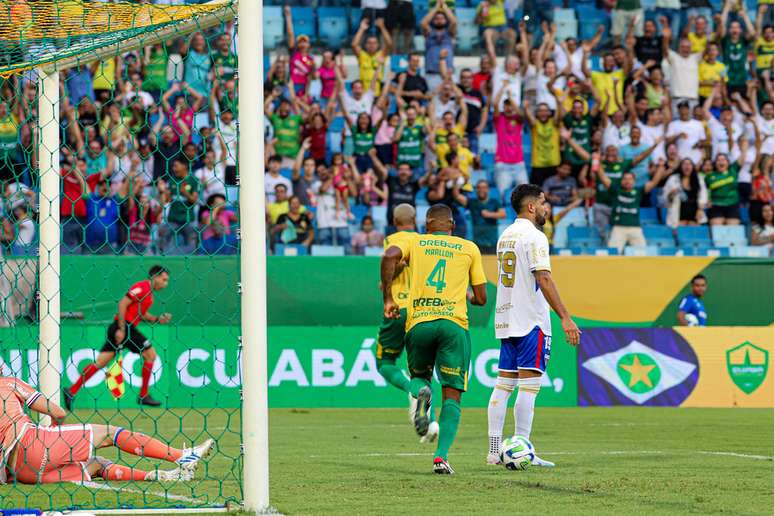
x: 308, y: 367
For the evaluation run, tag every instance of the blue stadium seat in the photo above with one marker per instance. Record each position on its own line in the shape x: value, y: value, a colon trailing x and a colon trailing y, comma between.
x: 576, y: 217
x: 273, y: 27
x: 487, y: 159
x: 398, y: 63
x: 355, y: 13
x: 729, y: 236
x: 487, y: 142
x: 467, y: 30
x: 422, y: 215
x: 373, y: 251
x: 706, y: 251
x: 379, y: 214
x: 359, y: 211
x: 750, y: 251
x: 693, y: 236
x: 563, y: 251
x: 658, y: 235
x: 649, y: 216
x: 595, y: 251
x: 333, y: 26
x: 287, y: 173
x: 328, y: 250
x: 583, y: 236
x: 478, y: 175
x: 669, y: 251
x: 650, y: 250
x: 337, y: 124
x: 421, y: 199
x: 290, y: 250
x: 303, y: 22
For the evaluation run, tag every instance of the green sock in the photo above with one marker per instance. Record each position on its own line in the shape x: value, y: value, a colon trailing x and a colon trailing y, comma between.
x: 394, y: 375
x: 415, y: 385
x: 449, y: 421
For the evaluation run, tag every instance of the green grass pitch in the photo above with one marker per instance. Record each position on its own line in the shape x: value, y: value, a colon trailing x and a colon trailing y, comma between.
x: 325, y: 461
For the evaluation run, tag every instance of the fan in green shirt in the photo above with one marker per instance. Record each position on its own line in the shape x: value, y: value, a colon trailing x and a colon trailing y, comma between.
x: 723, y: 192
x: 580, y: 127
x: 287, y: 129
x: 223, y: 60
x: 410, y: 137
x: 735, y: 45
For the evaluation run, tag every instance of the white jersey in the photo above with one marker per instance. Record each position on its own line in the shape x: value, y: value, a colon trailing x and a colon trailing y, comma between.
x: 521, y: 250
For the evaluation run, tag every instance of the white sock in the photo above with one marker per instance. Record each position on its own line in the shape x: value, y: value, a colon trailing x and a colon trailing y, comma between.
x: 524, y: 408
x: 498, y: 406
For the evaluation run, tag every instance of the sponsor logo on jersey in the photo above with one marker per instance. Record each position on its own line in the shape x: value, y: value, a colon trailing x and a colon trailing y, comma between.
x: 635, y: 367
x: 747, y: 366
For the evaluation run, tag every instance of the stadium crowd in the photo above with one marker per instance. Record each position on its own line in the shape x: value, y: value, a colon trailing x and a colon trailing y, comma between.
x: 651, y: 130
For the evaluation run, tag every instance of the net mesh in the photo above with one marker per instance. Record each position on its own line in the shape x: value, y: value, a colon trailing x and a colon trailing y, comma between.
x: 147, y: 171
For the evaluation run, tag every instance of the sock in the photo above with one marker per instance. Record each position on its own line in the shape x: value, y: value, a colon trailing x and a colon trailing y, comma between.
x: 449, y: 421
x: 393, y: 374
x: 118, y: 472
x: 142, y: 445
x: 147, y: 369
x: 524, y: 409
x: 415, y: 385
x: 87, y: 373
x: 498, y: 406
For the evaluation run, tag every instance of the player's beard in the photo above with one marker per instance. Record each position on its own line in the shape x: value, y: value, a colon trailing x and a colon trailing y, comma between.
x: 540, y: 220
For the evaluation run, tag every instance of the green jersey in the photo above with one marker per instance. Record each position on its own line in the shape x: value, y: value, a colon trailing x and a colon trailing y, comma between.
x: 180, y: 210
x: 614, y: 170
x: 723, y: 186
x: 411, y: 146
x: 156, y: 71
x: 287, y: 131
x: 626, y: 206
x: 735, y: 59
x: 363, y: 142
x: 9, y: 136
x: 581, y: 129
x: 224, y: 65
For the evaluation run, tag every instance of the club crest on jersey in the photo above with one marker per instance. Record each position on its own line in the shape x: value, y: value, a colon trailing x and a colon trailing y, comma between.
x: 747, y: 366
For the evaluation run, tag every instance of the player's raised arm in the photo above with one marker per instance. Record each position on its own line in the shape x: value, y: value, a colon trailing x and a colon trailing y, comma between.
x: 392, y: 257
x: 547, y: 286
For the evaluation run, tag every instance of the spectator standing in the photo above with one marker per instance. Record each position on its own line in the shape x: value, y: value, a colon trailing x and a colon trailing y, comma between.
x: 561, y: 189
x: 155, y: 60
x: 138, y: 215
x: 685, y: 196
x: 331, y: 64
x: 359, y: 101
x: 211, y: 176
x: 102, y: 215
x: 73, y: 207
x: 626, y: 13
x: 546, y: 144
x: 763, y: 227
x: 414, y: 85
x: 690, y: 132
x: 294, y: 226
x: 648, y: 46
x: 24, y: 241
x: 273, y: 177
x: 637, y: 147
x: 609, y: 83
x: 711, y: 72
x: 198, y: 65
x: 400, y: 21
x: 9, y: 143
x: 626, y: 199
x: 490, y: 14
x: 735, y: 47
x: 302, y: 66
x: 216, y: 222
x: 410, y: 139
x: 683, y: 68
x: 180, y: 192
x: 762, y: 193
x: 508, y: 77
x: 279, y: 205
x: 724, y: 193
x: 510, y: 169
x: 303, y: 176
x: 402, y: 187
x: 370, y: 57
x: 368, y: 236
x: 287, y: 130
x: 439, y: 27
x: 181, y: 116
x: 477, y: 107
x: 485, y: 212
x: 332, y: 226
x: 580, y: 126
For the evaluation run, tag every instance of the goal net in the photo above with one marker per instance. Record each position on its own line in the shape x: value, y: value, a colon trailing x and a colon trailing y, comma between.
x: 120, y: 240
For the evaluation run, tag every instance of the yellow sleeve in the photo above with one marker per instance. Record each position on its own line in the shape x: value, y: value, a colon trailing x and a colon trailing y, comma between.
x: 477, y: 275
x: 404, y: 244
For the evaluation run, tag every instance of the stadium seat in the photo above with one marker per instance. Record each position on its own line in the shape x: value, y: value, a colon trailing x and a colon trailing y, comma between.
x: 659, y: 235
x: 379, y: 214
x: 562, y: 15
x: 327, y: 250
x: 487, y: 159
x: 373, y: 251
x: 669, y: 251
x: 333, y: 26
x: 290, y: 250
x: 649, y: 216
x: 563, y: 251
x: 303, y: 22
x: 422, y: 215
x: 359, y: 211
x: 729, y: 236
x: 273, y: 27
x: 336, y: 125
x: 398, y: 63
x: 693, y: 236
x: 650, y: 250
x: 467, y: 30
x: 287, y: 173
x: 750, y: 251
x: 479, y: 175
x: 576, y: 217
x: 583, y: 236
x: 355, y: 13
x: 487, y: 142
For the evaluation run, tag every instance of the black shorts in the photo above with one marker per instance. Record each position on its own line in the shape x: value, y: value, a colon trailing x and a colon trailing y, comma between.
x: 400, y: 15
x: 372, y: 15
x: 726, y: 212
x: 134, y: 340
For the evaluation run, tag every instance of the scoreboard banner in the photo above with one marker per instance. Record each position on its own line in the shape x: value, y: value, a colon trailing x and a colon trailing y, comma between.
x: 688, y: 367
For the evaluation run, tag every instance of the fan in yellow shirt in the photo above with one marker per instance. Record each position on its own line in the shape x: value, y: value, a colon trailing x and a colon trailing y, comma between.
x: 711, y: 71
x: 370, y: 58
x: 699, y: 36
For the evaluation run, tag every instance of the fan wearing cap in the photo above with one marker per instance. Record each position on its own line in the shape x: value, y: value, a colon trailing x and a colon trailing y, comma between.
x: 301, y: 61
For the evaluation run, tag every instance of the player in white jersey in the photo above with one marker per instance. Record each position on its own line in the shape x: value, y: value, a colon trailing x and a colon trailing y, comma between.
x: 525, y: 290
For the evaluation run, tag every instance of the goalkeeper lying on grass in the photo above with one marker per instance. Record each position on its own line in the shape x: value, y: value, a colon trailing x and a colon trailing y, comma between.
x: 33, y: 454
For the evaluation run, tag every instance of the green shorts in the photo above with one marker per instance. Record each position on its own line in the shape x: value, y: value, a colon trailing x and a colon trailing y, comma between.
x: 389, y: 344
x: 442, y: 344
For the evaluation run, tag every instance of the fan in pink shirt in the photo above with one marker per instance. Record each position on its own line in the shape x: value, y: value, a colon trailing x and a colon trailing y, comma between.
x: 510, y: 169
x: 301, y: 62
x: 34, y: 454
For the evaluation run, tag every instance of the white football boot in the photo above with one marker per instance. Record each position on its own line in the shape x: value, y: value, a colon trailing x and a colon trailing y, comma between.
x: 537, y: 461
x: 192, y: 456
x: 170, y: 475
x: 432, y: 433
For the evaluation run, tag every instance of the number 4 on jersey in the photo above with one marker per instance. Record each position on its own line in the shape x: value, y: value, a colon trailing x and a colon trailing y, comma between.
x: 437, y: 276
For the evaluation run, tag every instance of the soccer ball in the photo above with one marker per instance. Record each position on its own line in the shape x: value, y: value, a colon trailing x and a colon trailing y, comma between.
x: 692, y: 320
x: 516, y: 453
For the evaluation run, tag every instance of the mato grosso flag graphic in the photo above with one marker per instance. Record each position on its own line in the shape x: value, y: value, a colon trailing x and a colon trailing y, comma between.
x: 635, y: 366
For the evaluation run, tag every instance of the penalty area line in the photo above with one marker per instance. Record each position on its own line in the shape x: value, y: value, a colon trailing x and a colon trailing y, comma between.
x: 603, y: 452
x: 168, y: 496
x: 740, y: 455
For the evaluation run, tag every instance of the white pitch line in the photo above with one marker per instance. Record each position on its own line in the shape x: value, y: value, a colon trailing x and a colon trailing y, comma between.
x: 740, y: 455
x: 106, y: 487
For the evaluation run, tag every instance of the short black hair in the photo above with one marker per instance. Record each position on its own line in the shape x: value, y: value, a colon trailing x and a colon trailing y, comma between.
x: 438, y: 211
x: 156, y: 270
x: 698, y: 277
x: 522, y: 192
x: 275, y: 158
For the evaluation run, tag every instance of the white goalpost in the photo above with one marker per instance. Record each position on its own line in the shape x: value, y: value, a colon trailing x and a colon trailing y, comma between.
x: 254, y: 415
